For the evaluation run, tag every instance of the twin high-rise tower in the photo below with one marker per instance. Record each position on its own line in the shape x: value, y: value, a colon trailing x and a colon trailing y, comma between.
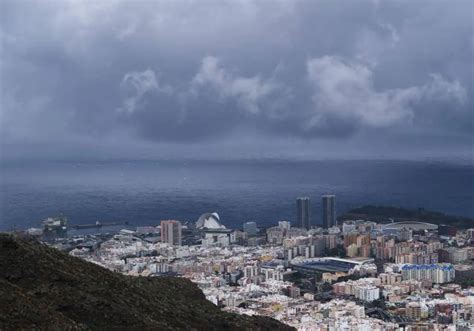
x: 329, y: 211
x: 303, y: 212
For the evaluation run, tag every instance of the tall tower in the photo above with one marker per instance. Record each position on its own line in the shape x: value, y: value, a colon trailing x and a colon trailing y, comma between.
x: 303, y: 213
x: 171, y: 232
x: 329, y: 211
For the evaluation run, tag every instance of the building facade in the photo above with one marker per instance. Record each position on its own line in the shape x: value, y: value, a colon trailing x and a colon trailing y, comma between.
x: 250, y: 228
x: 303, y: 213
x: 437, y: 273
x: 329, y: 211
x: 171, y: 232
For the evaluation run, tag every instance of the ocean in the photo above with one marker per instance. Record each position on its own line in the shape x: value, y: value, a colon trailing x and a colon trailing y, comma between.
x: 145, y: 192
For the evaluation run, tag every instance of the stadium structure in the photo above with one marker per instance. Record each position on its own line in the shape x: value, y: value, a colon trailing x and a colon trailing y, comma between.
x: 327, y: 264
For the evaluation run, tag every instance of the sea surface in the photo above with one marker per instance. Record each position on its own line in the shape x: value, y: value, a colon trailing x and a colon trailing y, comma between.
x: 145, y: 192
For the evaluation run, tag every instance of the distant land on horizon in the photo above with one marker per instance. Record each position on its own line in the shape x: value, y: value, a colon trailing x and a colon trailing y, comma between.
x: 384, y: 214
x: 379, y: 214
x: 145, y: 192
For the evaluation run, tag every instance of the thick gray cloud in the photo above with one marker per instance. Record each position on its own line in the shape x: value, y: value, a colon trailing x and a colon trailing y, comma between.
x: 345, y: 91
x: 275, y: 76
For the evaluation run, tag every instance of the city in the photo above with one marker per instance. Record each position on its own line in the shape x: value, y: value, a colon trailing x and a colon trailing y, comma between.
x: 357, y: 275
x: 247, y: 165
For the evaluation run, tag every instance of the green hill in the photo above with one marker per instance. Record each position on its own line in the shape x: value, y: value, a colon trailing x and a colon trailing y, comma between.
x: 43, y: 288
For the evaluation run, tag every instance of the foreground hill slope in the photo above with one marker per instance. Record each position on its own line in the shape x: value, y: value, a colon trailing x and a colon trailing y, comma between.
x: 43, y: 288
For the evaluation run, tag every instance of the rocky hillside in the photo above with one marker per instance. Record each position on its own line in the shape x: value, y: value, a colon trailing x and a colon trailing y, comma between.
x: 42, y: 288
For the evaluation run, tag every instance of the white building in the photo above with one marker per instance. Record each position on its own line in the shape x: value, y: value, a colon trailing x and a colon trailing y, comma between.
x: 273, y: 273
x: 284, y: 225
x: 348, y: 227
x: 250, y: 271
x: 367, y: 292
x: 437, y: 273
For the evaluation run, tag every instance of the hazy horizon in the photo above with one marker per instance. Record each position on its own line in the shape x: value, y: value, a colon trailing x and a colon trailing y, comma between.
x: 144, y: 192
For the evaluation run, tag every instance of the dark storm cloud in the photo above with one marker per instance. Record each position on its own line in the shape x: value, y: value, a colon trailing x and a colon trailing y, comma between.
x: 189, y: 71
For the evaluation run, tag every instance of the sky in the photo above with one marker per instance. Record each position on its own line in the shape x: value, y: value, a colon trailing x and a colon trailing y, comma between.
x: 237, y: 79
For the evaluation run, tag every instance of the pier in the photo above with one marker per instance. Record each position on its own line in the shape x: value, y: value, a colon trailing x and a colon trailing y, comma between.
x: 98, y: 225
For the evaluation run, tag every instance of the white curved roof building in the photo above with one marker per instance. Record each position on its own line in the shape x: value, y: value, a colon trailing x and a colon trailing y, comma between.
x: 209, y: 221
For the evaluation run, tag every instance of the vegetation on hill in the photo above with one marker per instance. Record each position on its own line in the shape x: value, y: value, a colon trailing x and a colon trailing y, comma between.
x: 43, y: 288
x: 385, y: 214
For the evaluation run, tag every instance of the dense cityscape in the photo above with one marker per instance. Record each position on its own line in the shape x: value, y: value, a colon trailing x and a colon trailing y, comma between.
x: 247, y: 165
x: 345, y: 275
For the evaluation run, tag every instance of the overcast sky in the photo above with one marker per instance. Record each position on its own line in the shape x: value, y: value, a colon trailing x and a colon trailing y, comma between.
x: 232, y: 79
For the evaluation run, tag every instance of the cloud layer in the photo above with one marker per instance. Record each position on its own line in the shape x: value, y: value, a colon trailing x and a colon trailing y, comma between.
x: 191, y: 72
x: 344, y: 91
